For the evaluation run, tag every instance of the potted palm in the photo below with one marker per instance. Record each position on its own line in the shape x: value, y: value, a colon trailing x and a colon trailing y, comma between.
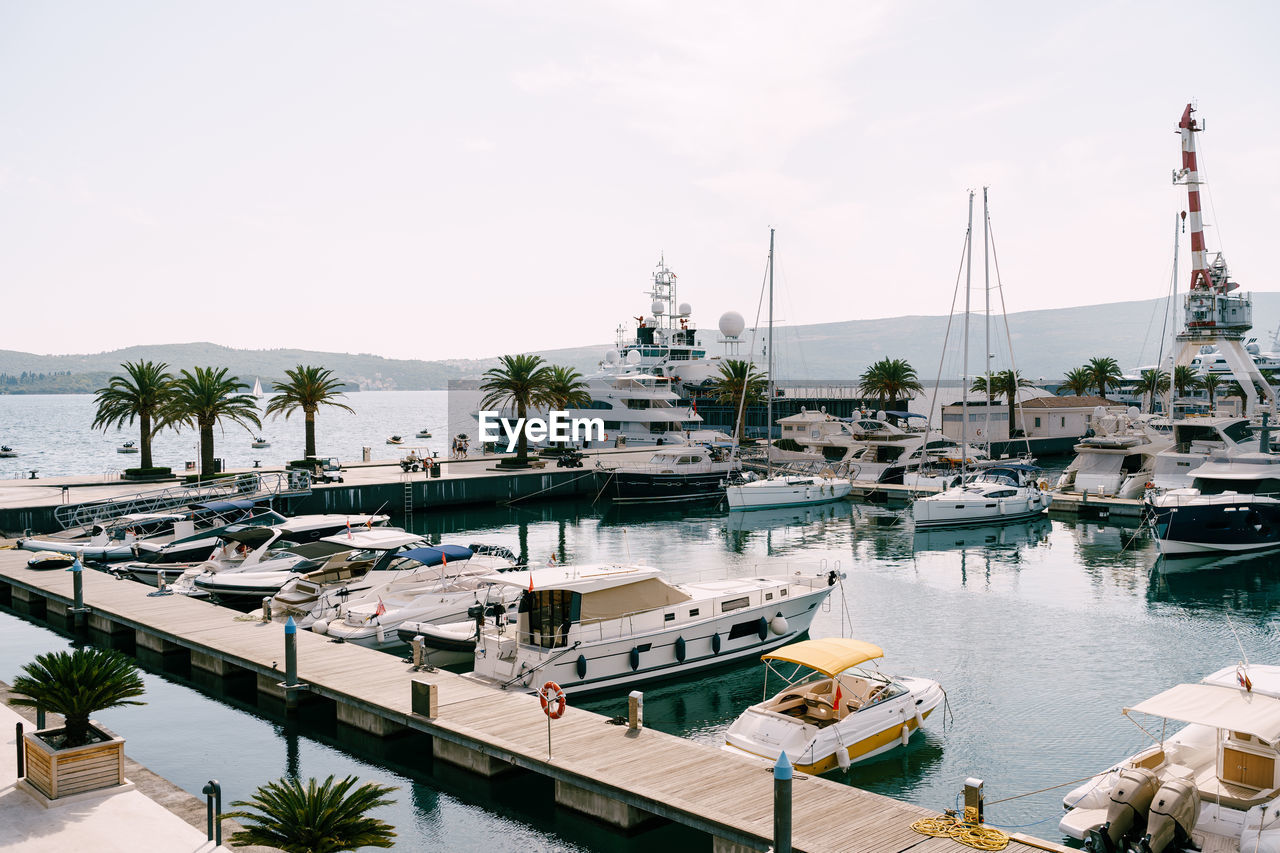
x: 324, y: 817
x: 79, y: 756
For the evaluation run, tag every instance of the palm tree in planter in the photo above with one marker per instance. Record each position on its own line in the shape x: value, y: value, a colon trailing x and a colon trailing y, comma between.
x: 308, y: 389
x: 77, y: 685
x: 519, y: 381
x: 207, y: 396
x: 142, y: 394
x: 319, y: 818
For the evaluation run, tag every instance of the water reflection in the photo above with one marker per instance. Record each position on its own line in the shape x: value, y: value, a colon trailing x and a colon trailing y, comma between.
x: 1011, y: 537
x: 1241, y: 582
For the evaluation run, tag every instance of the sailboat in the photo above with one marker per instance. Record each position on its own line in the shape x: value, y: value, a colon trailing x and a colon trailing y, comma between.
x: 782, y: 489
x: 257, y: 388
x: 1005, y: 491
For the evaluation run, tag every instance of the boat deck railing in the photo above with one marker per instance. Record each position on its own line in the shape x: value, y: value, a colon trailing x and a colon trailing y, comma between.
x: 254, y: 486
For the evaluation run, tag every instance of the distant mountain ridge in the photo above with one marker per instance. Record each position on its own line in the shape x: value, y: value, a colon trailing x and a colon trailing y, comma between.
x: 1045, y: 343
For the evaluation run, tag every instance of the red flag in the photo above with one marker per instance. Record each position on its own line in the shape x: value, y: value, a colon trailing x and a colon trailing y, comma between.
x: 530, y: 580
x: 382, y: 608
x: 1242, y: 676
x: 444, y: 557
x: 368, y: 525
x: 837, y: 705
x: 348, y: 528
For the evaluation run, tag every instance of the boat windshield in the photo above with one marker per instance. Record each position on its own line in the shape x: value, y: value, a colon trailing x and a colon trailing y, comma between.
x: 1213, y: 486
x: 1239, y: 431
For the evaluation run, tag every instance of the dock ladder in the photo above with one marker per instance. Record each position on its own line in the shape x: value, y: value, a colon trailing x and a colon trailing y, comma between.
x: 407, y: 479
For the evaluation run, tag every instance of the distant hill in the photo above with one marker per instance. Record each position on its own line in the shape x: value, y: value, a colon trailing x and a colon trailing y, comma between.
x: 1045, y: 343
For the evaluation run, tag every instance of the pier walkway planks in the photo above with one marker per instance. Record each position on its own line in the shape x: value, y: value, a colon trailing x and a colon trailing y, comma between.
x: 660, y: 774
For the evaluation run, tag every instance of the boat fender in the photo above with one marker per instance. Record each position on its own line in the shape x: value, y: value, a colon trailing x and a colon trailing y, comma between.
x: 778, y: 624
x: 582, y: 666
x: 526, y: 675
x: 843, y: 759
x: 320, y: 627
x: 635, y: 658
x: 382, y: 636
x: 762, y: 629
x: 715, y: 644
x: 680, y: 652
x: 906, y: 733
x: 919, y: 719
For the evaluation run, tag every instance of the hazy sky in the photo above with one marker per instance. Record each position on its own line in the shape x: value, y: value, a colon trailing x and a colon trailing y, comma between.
x: 436, y: 180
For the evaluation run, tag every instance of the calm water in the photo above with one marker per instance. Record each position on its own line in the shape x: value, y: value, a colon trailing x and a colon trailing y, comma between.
x: 1040, y: 632
x: 52, y: 434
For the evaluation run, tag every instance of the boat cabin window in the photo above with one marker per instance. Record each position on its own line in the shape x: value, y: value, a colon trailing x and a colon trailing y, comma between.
x: 1266, y: 486
x: 1238, y: 431
x: 694, y: 611
x: 1002, y: 493
x: 549, y: 612
x: 668, y: 617
x: 735, y: 604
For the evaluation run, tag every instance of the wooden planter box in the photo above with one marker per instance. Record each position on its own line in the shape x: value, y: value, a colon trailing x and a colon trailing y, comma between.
x: 65, y: 772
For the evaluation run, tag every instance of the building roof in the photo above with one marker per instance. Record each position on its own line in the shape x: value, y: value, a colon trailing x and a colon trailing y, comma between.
x: 1068, y: 403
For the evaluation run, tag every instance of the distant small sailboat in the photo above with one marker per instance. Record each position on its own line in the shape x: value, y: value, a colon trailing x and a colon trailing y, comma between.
x: 257, y: 389
x: 128, y: 447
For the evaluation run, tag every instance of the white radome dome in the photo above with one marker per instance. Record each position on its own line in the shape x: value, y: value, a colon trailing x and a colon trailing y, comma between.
x: 651, y: 321
x: 658, y: 306
x: 612, y: 356
x: 685, y: 309
x: 633, y: 357
x: 732, y: 324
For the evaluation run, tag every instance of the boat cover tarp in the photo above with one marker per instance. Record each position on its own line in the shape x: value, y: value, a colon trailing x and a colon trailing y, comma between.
x: 251, y: 536
x: 436, y: 556
x: 1220, y: 707
x: 224, y: 506
x: 632, y: 598
x: 830, y: 656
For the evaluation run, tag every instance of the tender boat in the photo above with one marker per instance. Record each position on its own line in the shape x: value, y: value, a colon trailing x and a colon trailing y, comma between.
x: 596, y: 627
x: 832, y: 711
x: 681, y: 473
x: 423, y: 433
x: 395, y: 439
x: 7, y: 452
x: 128, y: 447
x: 1003, y: 493
x: 1212, y: 784
x: 259, y: 442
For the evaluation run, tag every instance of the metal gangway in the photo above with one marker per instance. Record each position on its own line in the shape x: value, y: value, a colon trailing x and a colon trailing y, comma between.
x: 252, y: 486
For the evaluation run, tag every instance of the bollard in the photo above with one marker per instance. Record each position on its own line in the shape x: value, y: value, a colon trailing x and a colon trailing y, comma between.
x: 290, y: 653
x: 635, y: 710
x: 417, y: 651
x: 77, y: 592
x: 160, y: 580
x: 21, y: 757
x: 40, y: 721
x: 266, y: 608
x: 213, y: 810
x: 973, y: 800
x: 782, y: 805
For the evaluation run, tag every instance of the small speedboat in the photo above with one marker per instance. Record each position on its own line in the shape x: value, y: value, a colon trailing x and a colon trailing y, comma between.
x: 395, y: 439
x: 7, y: 452
x: 832, y: 711
x: 128, y: 447
x: 424, y: 433
x: 259, y: 442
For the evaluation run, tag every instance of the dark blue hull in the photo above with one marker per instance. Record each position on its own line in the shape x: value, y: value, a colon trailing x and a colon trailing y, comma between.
x: 625, y: 487
x: 1236, y: 527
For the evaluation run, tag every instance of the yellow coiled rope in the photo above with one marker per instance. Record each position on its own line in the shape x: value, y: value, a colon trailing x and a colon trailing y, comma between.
x: 968, y: 832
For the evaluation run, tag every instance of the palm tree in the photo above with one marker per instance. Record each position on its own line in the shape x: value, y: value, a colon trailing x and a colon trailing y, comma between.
x: 205, y: 397
x: 1103, y: 373
x: 308, y: 389
x: 566, y: 389
x: 739, y: 384
x: 77, y: 685
x: 889, y: 379
x: 1153, y: 383
x: 1003, y: 384
x: 324, y: 818
x: 1186, y: 378
x: 1211, y: 383
x: 143, y: 394
x: 1078, y: 381
x: 520, y: 381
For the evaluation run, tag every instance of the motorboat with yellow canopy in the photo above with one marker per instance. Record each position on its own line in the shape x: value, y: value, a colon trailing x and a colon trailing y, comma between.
x: 834, y: 710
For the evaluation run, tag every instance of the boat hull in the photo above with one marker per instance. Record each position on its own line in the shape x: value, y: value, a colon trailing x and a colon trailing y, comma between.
x: 1229, y: 527
x: 626, y: 487
x: 936, y: 512
x: 765, y: 494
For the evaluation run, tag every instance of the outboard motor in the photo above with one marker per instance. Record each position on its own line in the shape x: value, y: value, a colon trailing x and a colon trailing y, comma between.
x: 1127, y: 812
x: 1173, y: 815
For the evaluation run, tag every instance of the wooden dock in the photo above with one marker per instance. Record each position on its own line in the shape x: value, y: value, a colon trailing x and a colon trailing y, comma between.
x: 620, y: 776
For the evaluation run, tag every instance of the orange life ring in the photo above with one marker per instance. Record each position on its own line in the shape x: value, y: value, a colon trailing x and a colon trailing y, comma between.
x: 553, y: 701
x: 426, y: 464
x: 1149, y: 485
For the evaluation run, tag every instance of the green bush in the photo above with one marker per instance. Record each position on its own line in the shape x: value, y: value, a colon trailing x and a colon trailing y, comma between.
x: 148, y: 472
x: 198, y: 478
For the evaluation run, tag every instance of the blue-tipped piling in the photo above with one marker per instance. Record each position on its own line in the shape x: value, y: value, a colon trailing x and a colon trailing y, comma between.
x: 782, y: 773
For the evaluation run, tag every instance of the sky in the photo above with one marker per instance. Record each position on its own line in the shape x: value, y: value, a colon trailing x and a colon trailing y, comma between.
x: 460, y: 180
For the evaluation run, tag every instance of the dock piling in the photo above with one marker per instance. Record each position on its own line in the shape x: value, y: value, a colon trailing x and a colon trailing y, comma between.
x: 21, y: 757
x: 213, y: 810
x: 78, y: 610
x: 782, y: 773
x: 635, y: 710
x: 266, y: 608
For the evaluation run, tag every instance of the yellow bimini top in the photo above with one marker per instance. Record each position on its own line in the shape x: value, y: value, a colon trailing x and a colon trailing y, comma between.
x: 830, y: 656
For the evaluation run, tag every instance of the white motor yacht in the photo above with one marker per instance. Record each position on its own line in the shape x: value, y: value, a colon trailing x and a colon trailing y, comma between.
x: 595, y: 627
x: 1231, y: 507
x: 1192, y: 440
x: 687, y: 473
x: 1001, y: 493
x: 1210, y: 785
x: 831, y: 711
x: 784, y: 489
x: 1119, y: 460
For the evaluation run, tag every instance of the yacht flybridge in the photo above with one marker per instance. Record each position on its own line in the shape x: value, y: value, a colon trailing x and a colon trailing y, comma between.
x: 1119, y: 459
x: 1211, y: 785
x: 832, y: 710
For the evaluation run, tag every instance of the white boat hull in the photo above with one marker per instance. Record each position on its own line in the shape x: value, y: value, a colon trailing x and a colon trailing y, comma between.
x: 787, y: 491
x: 938, y: 510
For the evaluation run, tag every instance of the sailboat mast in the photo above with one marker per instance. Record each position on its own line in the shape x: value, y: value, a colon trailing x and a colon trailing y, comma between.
x: 768, y: 422
x: 1173, y: 328
x: 964, y: 378
x: 986, y: 312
